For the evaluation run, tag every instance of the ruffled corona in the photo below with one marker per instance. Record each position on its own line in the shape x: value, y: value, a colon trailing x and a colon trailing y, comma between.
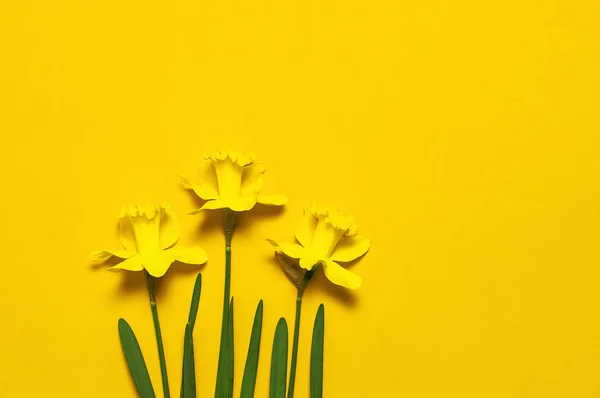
x: 327, y: 237
x: 147, y: 234
x: 230, y: 180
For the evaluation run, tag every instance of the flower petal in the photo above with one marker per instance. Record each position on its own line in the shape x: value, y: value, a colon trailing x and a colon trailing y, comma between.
x: 272, y: 200
x: 350, y: 248
x: 100, y: 256
x: 252, y: 179
x: 193, y: 255
x: 133, y: 263
x: 229, y: 177
x: 341, y: 276
x: 292, y: 250
x: 306, y: 229
x: 205, y: 192
x: 308, y: 261
x: 144, y: 222
x: 127, y: 233
x: 213, y: 205
x: 242, y: 204
x: 185, y: 183
x: 157, y: 264
x: 168, y: 228
x: 206, y: 185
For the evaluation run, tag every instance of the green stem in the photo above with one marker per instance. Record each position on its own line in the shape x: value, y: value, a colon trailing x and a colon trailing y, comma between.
x: 228, y: 223
x: 301, y: 286
x: 159, y: 342
x: 295, y: 345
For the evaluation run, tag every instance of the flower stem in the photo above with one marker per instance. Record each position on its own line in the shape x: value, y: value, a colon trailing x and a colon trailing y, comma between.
x: 228, y: 223
x: 295, y: 345
x: 301, y: 286
x: 159, y: 342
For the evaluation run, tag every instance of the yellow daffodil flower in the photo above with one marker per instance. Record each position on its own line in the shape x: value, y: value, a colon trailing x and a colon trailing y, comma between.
x: 147, y: 235
x: 230, y: 180
x: 327, y: 237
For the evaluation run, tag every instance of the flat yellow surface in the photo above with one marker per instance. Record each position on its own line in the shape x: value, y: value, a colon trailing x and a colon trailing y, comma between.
x: 463, y: 135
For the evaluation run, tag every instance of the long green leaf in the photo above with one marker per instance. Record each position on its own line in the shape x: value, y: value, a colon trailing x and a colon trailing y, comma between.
x: 195, y: 301
x: 188, y: 374
x: 251, y: 369
x: 229, y: 357
x: 221, y: 386
x: 279, y: 360
x: 224, y: 388
x: 135, y: 360
x: 221, y: 368
x: 316, y: 355
x: 188, y: 378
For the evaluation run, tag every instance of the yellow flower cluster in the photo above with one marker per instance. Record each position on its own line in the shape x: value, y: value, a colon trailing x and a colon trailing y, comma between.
x: 232, y: 180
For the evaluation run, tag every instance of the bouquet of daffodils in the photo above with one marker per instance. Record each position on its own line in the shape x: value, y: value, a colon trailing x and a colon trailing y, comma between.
x: 231, y: 182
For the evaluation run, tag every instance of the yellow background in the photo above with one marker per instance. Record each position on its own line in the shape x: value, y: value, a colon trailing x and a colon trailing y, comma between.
x: 463, y: 135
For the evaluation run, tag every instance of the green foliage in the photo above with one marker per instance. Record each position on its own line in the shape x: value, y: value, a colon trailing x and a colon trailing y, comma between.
x: 135, y: 360
x: 316, y: 355
x: 188, y: 373
x: 251, y: 369
x: 279, y: 360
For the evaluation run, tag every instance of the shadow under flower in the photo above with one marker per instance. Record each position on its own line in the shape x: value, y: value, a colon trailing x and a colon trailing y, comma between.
x: 322, y: 286
x: 134, y: 282
x: 212, y: 220
x: 259, y: 211
x: 177, y: 270
x: 131, y: 282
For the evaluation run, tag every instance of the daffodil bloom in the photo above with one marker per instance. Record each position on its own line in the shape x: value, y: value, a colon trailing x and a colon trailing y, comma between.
x: 231, y: 180
x: 147, y: 235
x: 327, y: 237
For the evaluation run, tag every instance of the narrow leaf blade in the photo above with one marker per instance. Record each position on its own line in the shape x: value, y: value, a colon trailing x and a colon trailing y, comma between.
x: 229, y: 354
x: 188, y: 374
x: 195, y: 301
x: 223, y: 364
x: 251, y: 369
x: 279, y: 360
x: 135, y: 360
x: 316, y: 355
x: 188, y: 378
